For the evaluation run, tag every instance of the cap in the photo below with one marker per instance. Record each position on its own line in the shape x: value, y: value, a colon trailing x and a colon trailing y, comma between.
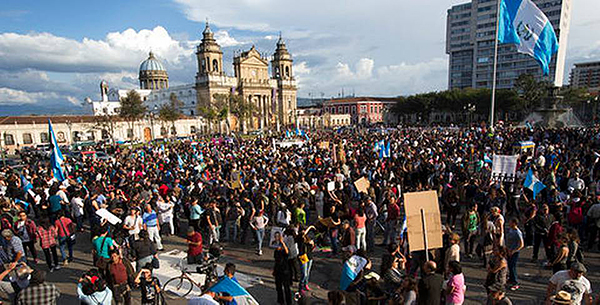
x: 561, y: 297
x: 578, y: 267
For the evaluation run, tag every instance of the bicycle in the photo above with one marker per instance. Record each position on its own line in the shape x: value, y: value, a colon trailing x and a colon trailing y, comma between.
x: 180, y: 287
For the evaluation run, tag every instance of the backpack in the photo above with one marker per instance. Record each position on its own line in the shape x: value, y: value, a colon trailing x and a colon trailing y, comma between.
x: 576, y: 214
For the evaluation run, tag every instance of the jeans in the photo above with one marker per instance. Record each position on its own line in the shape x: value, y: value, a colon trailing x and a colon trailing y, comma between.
x: 305, y: 273
x: 51, y: 260
x: 333, y: 239
x: 154, y: 235
x: 260, y: 234
x: 361, y: 240
x: 79, y: 222
x: 538, y: 239
x: 65, y: 242
x: 512, y: 268
x: 283, y: 286
x: 231, y: 225
x: 370, y: 234
x: 390, y: 234
x: 30, y: 245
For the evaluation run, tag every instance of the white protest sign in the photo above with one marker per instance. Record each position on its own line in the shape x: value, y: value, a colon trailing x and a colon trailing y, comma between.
x: 331, y: 186
x: 504, y: 167
x: 110, y: 217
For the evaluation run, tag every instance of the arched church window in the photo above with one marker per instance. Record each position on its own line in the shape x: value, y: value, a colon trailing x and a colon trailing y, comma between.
x: 287, y: 71
x: 215, y: 65
x: 277, y: 72
x: 203, y: 65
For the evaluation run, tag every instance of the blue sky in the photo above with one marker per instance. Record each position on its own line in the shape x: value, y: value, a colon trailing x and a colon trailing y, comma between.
x: 53, y: 54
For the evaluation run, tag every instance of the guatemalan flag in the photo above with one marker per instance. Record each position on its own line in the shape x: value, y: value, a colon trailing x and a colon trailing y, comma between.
x: 240, y: 295
x: 522, y: 23
x: 56, y: 159
x: 352, y: 267
x: 533, y: 183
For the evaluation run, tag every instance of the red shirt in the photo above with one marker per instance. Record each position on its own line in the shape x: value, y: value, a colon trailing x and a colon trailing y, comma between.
x: 119, y: 273
x: 61, y: 223
x: 195, y: 250
x: 393, y: 212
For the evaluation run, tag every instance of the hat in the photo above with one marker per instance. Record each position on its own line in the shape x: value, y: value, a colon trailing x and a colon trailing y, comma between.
x: 578, y: 267
x: 561, y: 297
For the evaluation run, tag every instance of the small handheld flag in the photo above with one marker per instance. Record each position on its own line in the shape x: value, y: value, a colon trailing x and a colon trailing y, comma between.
x: 56, y: 159
x: 533, y: 183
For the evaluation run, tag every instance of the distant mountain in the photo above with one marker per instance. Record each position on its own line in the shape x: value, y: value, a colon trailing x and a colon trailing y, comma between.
x: 36, y: 109
x: 305, y: 102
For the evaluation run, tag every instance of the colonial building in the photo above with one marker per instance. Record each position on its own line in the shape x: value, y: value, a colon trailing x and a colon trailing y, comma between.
x: 313, y: 117
x: 271, y: 91
x: 273, y: 97
x: 362, y: 110
x: 22, y: 131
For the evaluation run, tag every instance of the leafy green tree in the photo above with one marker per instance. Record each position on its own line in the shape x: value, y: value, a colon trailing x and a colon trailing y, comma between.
x: 531, y: 91
x: 132, y: 108
x: 242, y: 109
x: 106, y: 121
x: 171, y: 111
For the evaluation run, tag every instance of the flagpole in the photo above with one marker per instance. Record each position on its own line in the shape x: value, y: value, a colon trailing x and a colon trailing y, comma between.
x: 495, y: 65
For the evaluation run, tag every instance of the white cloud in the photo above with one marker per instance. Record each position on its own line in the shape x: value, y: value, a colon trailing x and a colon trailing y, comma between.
x: 10, y: 96
x: 224, y: 40
x: 301, y: 68
x: 364, y: 69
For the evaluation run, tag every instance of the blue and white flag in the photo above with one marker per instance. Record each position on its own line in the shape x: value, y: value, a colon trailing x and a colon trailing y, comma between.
x: 404, y: 228
x: 240, y: 295
x: 533, y: 183
x: 287, y: 134
x: 56, y: 159
x: 522, y: 23
x: 384, y: 150
x: 25, y: 184
x: 351, y: 268
x: 298, y: 131
x: 180, y: 161
x: 388, y: 150
x: 486, y: 159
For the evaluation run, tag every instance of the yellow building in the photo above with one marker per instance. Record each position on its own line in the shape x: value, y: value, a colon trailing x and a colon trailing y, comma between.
x: 273, y: 95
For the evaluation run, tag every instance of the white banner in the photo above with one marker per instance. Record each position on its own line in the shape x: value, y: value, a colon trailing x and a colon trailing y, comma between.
x: 504, y: 168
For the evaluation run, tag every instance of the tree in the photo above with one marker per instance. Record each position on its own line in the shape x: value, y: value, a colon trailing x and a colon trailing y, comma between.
x: 106, y: 121
x: 170, y: 112
x: 241, y: 109
x: 531, y: 91
x: 132, y: 108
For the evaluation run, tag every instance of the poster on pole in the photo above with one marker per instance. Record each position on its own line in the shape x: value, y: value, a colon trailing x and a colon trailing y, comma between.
x: 413, y: 204
x: 110, y: 217
x: 504, y: 168
x: 362, y: 185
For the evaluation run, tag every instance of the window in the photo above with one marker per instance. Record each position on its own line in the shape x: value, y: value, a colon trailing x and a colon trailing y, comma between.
x: 346, y: 109
x: 191, y: 112
x: 76, y: 136
x: 9, y: 139
x: 91, y: 136
x: 27, y: 138
x: 44, y: 137
x: 163, y: 131
x: 353, y: 110
x: 193, y: 129
x: 287, y: 71
x: 129, y: 133
x: 339, y: 110
x: 105, y: 134
x: 215, y: 65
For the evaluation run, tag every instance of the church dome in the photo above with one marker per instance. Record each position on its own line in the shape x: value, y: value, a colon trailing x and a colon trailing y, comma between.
x: 151, y: 64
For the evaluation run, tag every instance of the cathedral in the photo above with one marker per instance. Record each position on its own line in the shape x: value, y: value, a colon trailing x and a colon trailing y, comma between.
x: 273, y: 94
x: 272, y: 90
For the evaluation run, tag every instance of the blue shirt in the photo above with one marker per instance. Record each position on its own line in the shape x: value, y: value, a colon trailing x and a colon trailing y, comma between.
x: 513, y: 238
x: 55, y: 203
x: 150, y: 219
x: 195, y: 212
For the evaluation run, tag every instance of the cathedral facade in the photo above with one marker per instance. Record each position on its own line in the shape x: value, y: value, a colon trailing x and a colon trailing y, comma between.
x: 271, y: 91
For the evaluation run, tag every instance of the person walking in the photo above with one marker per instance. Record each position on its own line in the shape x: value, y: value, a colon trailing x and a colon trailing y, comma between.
x: 282, y: 272
x: 430, y: 285
x: 541, y: 228
x: 258, y: 224
x: 151, y: 225
x: 514, y: 244
x: 361, y: 231
x: 47, y: 236
x: 455, y: 287
x: 470, y: 223
x: 27, y: 231
x: 66, y: 236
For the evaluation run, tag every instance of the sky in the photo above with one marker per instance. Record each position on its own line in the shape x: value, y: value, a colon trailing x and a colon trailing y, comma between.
x: 53, y: 54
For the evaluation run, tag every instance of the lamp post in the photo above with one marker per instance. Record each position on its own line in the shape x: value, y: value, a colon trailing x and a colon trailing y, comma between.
x: 69, y: 126
x: 152, y: 114
x: 470, y: 108
x: 2, y: 149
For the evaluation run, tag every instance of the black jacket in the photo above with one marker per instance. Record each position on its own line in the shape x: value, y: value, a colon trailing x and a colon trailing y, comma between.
x: 430, y: 289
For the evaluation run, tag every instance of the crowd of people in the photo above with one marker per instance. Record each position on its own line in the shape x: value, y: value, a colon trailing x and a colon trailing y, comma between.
x: 229, y: 190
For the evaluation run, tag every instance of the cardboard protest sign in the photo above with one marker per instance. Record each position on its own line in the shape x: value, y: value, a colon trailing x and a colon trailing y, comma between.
x: 324, y: 145
x: 504, y: 168
x: 413, y: 204
x: 110, y: 217
x: 235, y: 179
x: 362, y: 185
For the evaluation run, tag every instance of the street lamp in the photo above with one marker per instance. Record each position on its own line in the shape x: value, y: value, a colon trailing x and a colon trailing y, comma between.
x: 152, y: 114
x: 470, y: 108
x: 69, y: 126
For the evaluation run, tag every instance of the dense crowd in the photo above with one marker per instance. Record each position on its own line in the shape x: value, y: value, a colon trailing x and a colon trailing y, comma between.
x: 230, y: 190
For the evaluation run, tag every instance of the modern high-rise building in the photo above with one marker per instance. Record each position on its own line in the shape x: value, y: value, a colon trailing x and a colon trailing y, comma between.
x: 470, y: 33
x: 586, y: 75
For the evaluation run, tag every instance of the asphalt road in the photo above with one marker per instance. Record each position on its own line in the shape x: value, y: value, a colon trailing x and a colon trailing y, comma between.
x: 325, y: 274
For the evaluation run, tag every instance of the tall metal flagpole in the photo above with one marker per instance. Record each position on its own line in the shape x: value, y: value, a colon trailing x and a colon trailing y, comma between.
x: 495, y: 65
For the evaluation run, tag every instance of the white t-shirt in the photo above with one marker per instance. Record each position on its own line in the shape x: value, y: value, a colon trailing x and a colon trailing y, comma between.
x: 77, y: 206
x: 576, y: 287
x: 135, y: 222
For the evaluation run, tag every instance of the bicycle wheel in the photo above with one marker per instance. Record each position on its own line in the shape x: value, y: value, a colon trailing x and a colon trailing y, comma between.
x: 177, y: 288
